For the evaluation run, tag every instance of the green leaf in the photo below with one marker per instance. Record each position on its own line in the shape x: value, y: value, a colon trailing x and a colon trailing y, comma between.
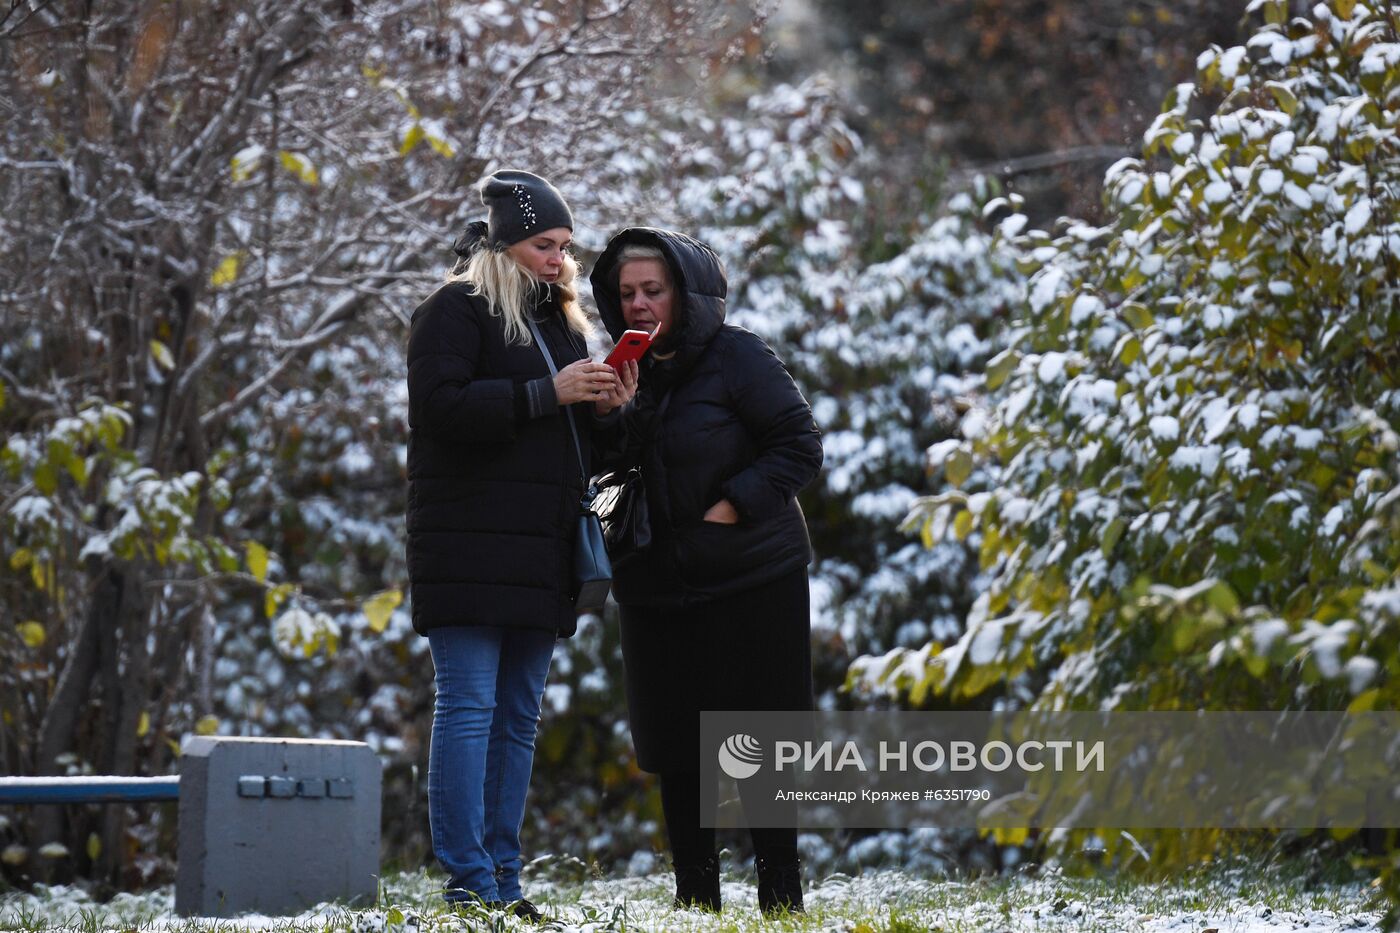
x: 257, y: 560
x: 1111, y: 533
x: 1129, y: 348
x: 958, y: 466
x: 380, y: 607
x: 999, y: 367
x: 1223, y: 599
x: 78, y: 469
x: 1136, y: 314
x: 1364, y: 701
x: 1287, y: 100
x: 46, y: 479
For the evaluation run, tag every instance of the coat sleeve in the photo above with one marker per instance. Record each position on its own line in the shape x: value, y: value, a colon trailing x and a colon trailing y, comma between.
x: 779, y: 421
x: 614, y: 445
x: 445, y: 399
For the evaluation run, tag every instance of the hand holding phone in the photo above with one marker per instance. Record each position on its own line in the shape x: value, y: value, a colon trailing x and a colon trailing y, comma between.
x: 630, y: 346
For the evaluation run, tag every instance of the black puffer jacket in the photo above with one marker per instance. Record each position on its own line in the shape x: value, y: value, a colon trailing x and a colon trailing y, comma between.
x: 735, y: 426
x: 493, y: 480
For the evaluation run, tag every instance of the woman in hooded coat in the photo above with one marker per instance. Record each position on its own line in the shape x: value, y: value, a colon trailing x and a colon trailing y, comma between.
x: 715, y: 612
x: 494, y: 488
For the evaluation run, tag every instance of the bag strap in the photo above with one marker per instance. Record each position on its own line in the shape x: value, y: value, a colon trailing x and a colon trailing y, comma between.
x: 568, y: 410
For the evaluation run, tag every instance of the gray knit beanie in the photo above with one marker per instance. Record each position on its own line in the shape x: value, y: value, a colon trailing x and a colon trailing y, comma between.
x: 520, y: 205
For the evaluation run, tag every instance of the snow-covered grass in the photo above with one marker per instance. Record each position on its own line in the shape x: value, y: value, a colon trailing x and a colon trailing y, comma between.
x: 1239, y: 899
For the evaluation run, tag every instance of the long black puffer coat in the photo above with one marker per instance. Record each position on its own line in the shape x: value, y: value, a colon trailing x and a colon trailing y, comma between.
x: 493, y: 480
x: 735, y: 426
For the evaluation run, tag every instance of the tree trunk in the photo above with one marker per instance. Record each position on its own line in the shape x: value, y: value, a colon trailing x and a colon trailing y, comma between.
x: 134, y: 692
x: 57, y: 732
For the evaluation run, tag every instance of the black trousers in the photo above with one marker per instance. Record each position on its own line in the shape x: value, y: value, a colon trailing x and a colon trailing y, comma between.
x: 691, y: 842
x: 750, y: 651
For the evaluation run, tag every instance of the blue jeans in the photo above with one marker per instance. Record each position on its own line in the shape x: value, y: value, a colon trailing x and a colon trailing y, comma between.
x: 489, y: 685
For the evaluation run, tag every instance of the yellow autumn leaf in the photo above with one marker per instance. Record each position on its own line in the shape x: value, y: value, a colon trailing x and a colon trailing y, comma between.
x: 21, y: 558
x: 31, y: 633
x: 300, y: 166
x: 245, y: 163
x: 411, y: 139
x: 380, y: 607
x: 162, y: 355
x: 442, y: 147
x: 143, y: 725
x: 207, y: 725
x: 257, y: 560
x: 275, y: 596
x: 226, y: 273
x: 94, y: 846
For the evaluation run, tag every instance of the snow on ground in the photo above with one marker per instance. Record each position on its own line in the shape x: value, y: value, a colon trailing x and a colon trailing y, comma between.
x: 1231, y: 902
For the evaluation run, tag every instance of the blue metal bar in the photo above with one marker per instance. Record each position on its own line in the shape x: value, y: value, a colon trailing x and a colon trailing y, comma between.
x: 88, y: 789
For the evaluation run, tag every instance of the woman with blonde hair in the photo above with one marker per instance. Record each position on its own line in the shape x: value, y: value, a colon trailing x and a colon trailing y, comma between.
x: 502, y: 402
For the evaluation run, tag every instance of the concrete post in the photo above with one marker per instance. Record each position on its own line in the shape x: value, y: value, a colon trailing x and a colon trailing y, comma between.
x: 275, y: 826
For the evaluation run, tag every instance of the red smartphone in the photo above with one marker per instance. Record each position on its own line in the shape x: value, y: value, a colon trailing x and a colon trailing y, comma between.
x: 630, y: 346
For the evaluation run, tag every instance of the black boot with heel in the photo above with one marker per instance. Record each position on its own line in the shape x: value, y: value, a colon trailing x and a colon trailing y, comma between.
x: 779, y: 882
x: 697, y: 883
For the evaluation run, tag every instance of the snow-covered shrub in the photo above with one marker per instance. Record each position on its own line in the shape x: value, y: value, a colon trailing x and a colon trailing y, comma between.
x: 1193, y: 494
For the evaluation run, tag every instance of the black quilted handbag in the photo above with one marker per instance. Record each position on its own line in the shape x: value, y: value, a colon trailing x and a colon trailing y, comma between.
x: 621, y: 505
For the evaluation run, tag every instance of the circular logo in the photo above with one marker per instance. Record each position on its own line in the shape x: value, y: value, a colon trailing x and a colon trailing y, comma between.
x: 740, y: 756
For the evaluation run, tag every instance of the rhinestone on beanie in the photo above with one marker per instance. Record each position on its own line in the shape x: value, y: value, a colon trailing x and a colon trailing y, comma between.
x: 527, y: 206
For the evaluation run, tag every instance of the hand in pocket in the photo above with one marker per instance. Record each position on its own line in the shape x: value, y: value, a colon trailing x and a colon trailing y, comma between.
x: 722, y: 513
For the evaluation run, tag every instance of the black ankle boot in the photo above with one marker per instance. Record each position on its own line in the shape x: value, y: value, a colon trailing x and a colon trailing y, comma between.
x: 779, y: 883
x: 697, y: 883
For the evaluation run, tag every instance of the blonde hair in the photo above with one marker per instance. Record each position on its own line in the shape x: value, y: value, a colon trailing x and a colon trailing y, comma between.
x: 508, y: 289
x: 635, y: 252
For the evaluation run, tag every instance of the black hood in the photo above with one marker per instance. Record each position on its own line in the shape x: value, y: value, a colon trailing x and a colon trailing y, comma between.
x: 699, y: 278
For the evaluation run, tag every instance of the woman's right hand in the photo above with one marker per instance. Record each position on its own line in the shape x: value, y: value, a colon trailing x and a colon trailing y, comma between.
x: 584, y: 381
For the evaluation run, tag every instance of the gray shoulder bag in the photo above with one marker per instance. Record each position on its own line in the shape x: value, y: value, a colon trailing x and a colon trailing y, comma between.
x: 592, y: 576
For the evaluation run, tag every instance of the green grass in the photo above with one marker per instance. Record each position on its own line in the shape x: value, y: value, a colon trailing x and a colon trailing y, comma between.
x: 1234, y: 896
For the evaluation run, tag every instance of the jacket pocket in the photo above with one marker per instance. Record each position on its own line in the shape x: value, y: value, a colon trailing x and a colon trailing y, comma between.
x: 715, y: 559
